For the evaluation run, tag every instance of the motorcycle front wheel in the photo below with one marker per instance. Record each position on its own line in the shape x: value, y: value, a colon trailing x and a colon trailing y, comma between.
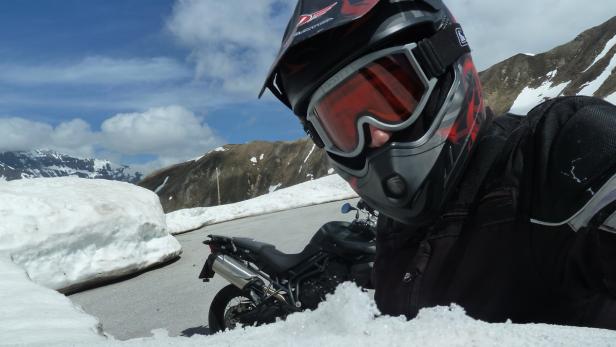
x: 227, y: 307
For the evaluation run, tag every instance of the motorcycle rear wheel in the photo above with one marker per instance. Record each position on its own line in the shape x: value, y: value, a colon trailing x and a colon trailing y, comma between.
x: 227, y: 305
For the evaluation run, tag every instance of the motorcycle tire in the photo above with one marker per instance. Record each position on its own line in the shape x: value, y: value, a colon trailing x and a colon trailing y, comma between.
x: 223, y: 310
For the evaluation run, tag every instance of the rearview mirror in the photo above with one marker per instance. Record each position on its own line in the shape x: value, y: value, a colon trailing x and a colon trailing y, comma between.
x: 346, y: 208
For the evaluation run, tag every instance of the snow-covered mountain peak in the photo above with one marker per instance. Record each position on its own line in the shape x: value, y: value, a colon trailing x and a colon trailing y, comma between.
x: 49, y: 163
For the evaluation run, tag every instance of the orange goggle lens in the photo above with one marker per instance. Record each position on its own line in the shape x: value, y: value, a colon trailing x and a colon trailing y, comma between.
x: 387, y: 89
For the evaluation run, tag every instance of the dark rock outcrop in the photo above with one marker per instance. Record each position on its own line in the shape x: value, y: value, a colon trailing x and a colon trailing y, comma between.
x: 244, y: 172
x: 569, y: 63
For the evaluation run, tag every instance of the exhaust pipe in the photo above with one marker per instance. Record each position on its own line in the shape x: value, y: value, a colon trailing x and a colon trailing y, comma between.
x: 234, y: 271
x: 239, y: 275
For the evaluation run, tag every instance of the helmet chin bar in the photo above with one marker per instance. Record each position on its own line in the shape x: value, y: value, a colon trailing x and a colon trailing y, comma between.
x: 392, y: 168
x: 428, y: 179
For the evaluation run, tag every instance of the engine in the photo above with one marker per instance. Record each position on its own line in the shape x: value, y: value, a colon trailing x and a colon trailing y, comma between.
x: 312, y: 290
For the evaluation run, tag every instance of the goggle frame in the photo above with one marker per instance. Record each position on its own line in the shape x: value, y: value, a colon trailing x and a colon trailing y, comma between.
x: 346, y: 72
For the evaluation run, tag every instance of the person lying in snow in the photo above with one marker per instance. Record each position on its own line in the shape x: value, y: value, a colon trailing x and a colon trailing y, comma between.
x: 510, y: 217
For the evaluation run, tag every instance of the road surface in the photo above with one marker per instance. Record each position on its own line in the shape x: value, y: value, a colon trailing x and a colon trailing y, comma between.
x: 172, y: 297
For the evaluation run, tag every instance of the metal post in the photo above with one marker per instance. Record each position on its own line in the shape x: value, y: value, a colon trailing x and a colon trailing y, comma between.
x: 218, y: 184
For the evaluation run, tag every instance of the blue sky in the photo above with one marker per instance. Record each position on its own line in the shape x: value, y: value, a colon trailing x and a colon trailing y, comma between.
x: 155, y: 82
x: 67, y: 67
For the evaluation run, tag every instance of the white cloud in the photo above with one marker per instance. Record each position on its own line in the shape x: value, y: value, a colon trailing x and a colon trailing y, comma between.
x: 73, y: 137
x: 233, y: 42
x: 21, y: 134
x: 497, y: 30
x: 171, y: 134
x: 96, y: 70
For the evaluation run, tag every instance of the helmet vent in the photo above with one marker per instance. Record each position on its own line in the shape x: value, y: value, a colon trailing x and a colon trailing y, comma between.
x: 395, y: 187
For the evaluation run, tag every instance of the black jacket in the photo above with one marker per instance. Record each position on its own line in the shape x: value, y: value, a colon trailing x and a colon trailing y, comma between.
x: 530, y: 234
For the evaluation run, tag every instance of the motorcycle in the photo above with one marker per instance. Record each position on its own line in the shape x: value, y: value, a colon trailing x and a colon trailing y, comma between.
x: 266, y: 284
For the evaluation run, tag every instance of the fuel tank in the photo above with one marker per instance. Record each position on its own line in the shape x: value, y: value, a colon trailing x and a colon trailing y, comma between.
x: 339, y: 238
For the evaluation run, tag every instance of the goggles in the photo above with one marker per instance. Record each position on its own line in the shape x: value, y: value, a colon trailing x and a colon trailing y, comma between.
x: 387, y: 89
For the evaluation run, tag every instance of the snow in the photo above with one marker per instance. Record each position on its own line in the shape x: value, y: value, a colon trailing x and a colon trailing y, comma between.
x: 330, y: 171
x: 593, y: 86
x: 253, y: 160
x: 324, y: 189
x: 217, y: 149
x: 73, y: 218
x: 529, y: 54
x: 531, y: 97
x: 261, y: 157
x: 162, y: 185
x: 349, y: 317
x: 69, y: 231
x: 100, y: 164
x: 309, y: 153
x: 273, y: 188
x: 608, y: 46
x: 71, y: 171
x: 30, y: 313
x: 611, y: 98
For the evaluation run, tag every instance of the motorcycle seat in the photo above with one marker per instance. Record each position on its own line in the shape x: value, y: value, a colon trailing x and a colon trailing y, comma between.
x: 272, y: 258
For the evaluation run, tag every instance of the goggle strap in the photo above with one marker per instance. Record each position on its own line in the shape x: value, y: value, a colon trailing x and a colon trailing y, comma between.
x: 437, y: 53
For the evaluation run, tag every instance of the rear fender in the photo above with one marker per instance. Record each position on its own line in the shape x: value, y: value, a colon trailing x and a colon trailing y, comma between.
x: 208, y: 272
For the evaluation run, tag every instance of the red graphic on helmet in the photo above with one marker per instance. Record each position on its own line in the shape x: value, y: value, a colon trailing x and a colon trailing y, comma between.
x: 356, y: 7
x: 466, y: 126
x: 307, y: 18
x: 353, y: 183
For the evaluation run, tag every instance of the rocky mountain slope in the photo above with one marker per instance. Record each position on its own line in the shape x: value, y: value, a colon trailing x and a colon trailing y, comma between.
x: 244, y: 171
x: 584, y: 66
x: 45, y: 163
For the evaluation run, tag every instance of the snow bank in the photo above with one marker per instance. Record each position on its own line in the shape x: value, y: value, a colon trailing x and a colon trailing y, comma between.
x: 68, y: 231
x: 591, y: 88
x: 30, y: 313
x: 325, y: 189
x: 608, y: 46
x: 350, y: 318
x: 531, y: 97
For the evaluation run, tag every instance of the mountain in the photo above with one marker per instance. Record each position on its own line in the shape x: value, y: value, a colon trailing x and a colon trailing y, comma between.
x: 584, y: 66
x: 244, y: 171
x: 46, y: 163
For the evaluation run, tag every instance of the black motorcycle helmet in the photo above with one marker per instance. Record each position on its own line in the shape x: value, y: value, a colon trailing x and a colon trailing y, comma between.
x: 402, y: 66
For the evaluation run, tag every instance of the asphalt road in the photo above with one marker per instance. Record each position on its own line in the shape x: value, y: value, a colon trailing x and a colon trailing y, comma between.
x: 172, y: 297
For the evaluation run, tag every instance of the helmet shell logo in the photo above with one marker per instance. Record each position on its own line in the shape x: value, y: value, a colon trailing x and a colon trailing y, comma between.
x: 307, y: 18
x: 461, y: 37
